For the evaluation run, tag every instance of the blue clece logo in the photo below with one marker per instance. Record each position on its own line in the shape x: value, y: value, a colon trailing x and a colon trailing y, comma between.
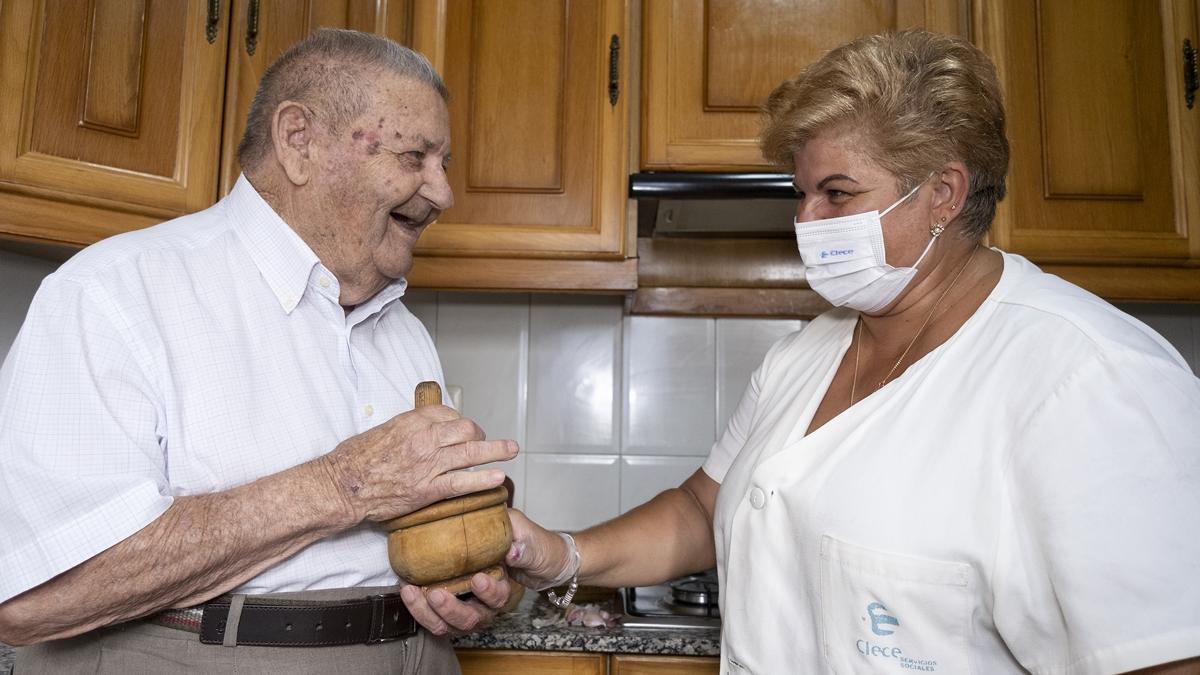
x: 880, y: 621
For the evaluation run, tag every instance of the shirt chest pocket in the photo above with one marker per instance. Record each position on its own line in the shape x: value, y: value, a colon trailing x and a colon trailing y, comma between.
x: 887, y: 613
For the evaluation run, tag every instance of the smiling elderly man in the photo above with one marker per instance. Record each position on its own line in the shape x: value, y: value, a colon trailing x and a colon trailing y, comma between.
x: 213, y: 410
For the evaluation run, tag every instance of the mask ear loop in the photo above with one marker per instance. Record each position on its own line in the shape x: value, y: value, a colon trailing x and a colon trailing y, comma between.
x: 900, y: 201
x: 911, y: 192
x: 934, y: 232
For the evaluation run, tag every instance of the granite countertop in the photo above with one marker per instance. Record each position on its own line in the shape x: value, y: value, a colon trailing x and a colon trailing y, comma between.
x: 517, y: 630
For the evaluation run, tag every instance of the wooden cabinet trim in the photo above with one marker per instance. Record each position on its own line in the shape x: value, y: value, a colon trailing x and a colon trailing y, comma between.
x: 507, y: 274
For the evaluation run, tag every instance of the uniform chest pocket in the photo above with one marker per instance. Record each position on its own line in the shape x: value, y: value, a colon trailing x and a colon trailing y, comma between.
x: 888, y: 613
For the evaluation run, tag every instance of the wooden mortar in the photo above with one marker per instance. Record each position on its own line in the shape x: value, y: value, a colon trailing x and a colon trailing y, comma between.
x: 446, y: 543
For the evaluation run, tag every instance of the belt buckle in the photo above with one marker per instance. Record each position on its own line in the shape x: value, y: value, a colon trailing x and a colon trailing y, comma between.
x: 379, y: 619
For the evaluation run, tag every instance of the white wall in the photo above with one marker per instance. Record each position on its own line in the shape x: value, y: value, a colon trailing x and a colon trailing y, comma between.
x: 608, y: 409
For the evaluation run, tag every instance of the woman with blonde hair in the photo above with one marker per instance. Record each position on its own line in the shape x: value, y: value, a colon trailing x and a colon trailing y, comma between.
x: 967, y: 466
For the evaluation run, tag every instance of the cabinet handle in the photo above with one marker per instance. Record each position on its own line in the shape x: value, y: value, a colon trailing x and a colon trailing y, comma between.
x: 252, y: 27
x: 1189, y: 74
x: 614, y: 75
x: 214, y: 18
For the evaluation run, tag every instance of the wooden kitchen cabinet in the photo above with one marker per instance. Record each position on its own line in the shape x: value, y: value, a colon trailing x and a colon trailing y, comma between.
x: 499, y: 662
x: 1104, y: 183
x: 507, y: 662
x: 708, y: 66
x: 638, y: 664
x: 539, y: 127
x: 113, y: 120
x: 111, y: 115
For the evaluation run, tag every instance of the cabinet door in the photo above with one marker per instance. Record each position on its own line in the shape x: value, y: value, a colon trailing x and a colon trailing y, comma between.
x: 264, y: 29
x: 492, y: 662
x: 1105, y: 152
x: 709, y: 65
x: 540, y: 150
x: 111, y: 114
x: 631, y: 664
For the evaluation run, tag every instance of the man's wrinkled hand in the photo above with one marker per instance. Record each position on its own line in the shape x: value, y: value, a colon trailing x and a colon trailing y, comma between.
x: 441, y: 613
x: 412, y: 460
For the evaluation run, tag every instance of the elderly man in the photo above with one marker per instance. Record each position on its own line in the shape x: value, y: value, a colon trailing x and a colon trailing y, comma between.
x: 213, y: 410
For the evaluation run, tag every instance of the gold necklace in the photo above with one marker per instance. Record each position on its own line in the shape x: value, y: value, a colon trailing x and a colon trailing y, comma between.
x: 858, y: 332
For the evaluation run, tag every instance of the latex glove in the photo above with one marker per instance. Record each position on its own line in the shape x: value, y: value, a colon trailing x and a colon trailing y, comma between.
x: 539, y: 558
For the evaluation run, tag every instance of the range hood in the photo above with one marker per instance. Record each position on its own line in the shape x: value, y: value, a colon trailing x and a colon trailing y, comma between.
x: 737, y: 205
x: 719, y: 244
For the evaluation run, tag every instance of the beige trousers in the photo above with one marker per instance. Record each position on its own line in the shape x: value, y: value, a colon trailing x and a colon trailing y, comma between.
x: 139, y: 648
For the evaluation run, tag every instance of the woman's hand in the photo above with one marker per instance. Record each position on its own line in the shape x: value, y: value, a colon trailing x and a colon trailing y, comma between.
x: 538, y: 558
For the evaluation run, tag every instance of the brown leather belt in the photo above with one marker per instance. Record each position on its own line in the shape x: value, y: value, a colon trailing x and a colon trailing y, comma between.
x: 273, y: 622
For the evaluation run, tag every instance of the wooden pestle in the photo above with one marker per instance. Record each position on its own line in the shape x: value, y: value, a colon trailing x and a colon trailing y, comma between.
x: 446, y: 543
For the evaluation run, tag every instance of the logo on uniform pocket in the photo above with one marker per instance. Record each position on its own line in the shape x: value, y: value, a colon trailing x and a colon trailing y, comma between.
x: 880, y: 621
x: 884, y: 624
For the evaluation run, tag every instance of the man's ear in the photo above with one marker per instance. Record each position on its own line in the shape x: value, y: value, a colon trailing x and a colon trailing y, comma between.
x: 292, y: 134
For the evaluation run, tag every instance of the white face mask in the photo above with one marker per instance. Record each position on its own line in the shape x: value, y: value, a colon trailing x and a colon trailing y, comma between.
x: 844, y: 260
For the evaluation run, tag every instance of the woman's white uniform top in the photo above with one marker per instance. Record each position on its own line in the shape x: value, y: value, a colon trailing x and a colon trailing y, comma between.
x: 1024, y: 497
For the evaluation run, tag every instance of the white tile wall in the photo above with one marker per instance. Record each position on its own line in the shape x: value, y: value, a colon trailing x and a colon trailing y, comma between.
x: 643, y: 476
x: 575, y: 346
x: 550, y: 370
x: 671, y: 386
x: 741, y: 346
x: 571, y: 492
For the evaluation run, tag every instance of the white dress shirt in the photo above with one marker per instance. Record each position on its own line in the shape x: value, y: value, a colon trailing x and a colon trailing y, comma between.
x: 184, y: 359
x: 1024, y: 498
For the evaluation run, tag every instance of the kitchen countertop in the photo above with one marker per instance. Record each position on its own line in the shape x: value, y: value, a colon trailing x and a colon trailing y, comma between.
x: 516, y: 630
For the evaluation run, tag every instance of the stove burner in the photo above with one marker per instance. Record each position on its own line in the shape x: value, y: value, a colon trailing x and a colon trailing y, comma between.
x: 697, y: 591
x: 687, y: 602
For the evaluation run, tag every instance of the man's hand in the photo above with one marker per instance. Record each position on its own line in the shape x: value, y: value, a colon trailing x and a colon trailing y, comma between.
x: 412, y: 460
x: 443, y: 614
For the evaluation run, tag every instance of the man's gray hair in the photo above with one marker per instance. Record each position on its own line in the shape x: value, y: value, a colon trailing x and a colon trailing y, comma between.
x: 331, y: 72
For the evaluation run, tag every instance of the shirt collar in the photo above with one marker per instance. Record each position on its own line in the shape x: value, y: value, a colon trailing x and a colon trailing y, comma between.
x: 282, y: 257
x: 287, y: 264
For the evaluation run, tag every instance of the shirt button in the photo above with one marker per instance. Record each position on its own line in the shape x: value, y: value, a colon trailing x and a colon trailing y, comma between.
x: 369, y: 410
x: 324, y: 281
x: 758, y: 498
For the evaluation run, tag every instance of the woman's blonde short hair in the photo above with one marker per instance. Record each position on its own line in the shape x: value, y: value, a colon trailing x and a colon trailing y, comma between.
x: 919, y: 99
